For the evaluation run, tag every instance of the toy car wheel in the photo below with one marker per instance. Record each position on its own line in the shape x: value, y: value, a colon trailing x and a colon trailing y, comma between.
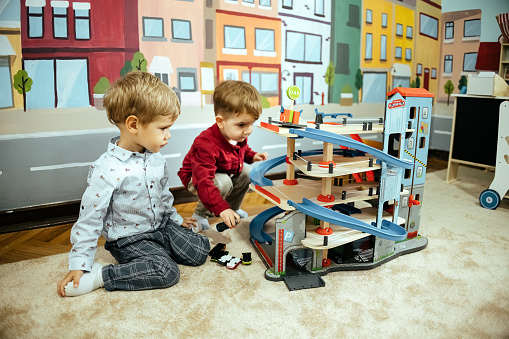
x: 489, y: 199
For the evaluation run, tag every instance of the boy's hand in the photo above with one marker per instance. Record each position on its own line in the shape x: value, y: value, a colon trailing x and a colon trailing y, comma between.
x: 74, y: 275
x: 260, y: 156
x: 189, y: 222
x: 230, y: 218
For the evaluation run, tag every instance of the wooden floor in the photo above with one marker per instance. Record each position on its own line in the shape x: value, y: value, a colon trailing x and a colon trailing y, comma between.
x: 42, y: 242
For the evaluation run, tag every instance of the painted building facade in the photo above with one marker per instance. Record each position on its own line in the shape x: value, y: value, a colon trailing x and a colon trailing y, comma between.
x: 68, y: 45
x: 171, y: 39
x: 427, y: 38
x: 345, y: 47
x: 248, y: 46
x: 306, y: 42
x: 460, y: 39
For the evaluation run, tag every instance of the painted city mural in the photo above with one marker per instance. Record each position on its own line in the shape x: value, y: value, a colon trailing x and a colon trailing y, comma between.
x: 344, y: 51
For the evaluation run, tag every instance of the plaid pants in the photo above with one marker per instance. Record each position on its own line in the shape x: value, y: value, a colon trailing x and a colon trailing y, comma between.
x: 150, y: 260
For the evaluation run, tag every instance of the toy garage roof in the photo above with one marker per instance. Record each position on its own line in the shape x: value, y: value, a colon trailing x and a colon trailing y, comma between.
x: 411, y: 92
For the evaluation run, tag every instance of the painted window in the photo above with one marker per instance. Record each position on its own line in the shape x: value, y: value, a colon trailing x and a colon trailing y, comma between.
x: 181, y: 29
x: 62, y: 83
x: 409, y: 32
x: 303, y: 47
x: 368, y: 54
x: 448, y: 64
x: 399, y: 53
x: 419, y: 69
x: 5, y: 83
x: 265, y: 82
x: 230, y: 74
x: 449, y: 30
x: 342, y: 58
x: 35, y: 22
x: 399, y: 30
x: 469, y: 61
x: 264, y: 40
x: 384, y: 19
x: 164, y: 77
x: 288, y: 4
x: 248, y: 1
x: 433, y: 73
x: 472, y: 28
x: 429, y: 26
x: 60, y: 22
x: 408, y: 54
x: 353, y: 16
x: 265, y: 3
x: 383, y: 47
x: 82, y: 24
x: 153, y: 27
x: 234, y: 37
x: 369, y: 16
x: 319, y: 8
x: 186, y: 80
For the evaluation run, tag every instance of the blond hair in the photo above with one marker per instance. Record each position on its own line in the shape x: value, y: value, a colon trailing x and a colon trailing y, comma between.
x: 233, y: 97
x: 140, y: 94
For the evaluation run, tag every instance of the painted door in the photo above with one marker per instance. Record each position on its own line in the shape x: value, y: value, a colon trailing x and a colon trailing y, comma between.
x: 42, y: 94
x: 305, y: 83
x: 425, y: 85
x: 72, y: 83
x: 374, y: 87
x: 5, y: 83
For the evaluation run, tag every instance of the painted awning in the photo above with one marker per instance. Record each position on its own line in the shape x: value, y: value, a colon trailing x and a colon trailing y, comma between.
x: 160, y: 64
x: 401, y: 70
x: 5, y: 46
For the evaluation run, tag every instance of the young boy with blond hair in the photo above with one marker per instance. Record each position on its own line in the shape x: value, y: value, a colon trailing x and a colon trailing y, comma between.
x: 128, y: 199
x: 214, y: 167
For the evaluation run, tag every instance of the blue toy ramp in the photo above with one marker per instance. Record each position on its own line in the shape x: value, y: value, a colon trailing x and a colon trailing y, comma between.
x: 256, y: 225
x: 349, y: 142
x: 389, y: 230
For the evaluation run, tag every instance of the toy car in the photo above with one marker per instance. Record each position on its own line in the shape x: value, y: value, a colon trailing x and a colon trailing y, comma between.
x: 233, y: 263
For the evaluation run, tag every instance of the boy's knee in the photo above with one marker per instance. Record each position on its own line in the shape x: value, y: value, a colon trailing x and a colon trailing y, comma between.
x: 224, y: 183
x: 168, y: 272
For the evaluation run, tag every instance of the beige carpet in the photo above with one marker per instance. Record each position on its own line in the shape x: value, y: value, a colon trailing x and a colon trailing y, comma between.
x: 457, y: 287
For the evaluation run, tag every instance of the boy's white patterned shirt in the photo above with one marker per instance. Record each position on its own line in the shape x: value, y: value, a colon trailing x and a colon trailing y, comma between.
x: 127, y: 193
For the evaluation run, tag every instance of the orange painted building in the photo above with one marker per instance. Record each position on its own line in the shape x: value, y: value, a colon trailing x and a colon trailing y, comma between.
x: 248, y: 48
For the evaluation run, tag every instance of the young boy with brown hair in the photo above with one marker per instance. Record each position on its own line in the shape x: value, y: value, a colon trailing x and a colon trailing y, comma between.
x: 128, y: 199
x: 214, y: 167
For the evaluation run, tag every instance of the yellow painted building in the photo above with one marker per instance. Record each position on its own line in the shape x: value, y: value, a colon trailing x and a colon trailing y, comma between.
x: 427, y: 39
x: 387, y: 49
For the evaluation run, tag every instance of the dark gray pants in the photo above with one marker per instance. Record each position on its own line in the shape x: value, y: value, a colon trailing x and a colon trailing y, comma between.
x: 150, y: 260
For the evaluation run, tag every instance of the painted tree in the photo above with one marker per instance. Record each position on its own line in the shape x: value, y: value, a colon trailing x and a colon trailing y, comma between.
x: 449, y: 88
x: 102, y: 86
x: 139, y: 63
x: 417, y: 82
x: 23, y: 84
x: 126, y: 69
x: 462, y: 83
x: 329, y: 77
x: 358, y: 82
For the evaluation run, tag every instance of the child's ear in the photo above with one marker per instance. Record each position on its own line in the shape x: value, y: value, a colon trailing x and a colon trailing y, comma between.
x: 219, y: 121
x: 132, y: 124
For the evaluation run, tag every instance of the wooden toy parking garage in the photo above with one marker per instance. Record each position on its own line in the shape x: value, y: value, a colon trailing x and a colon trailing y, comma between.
x: 352, y: 206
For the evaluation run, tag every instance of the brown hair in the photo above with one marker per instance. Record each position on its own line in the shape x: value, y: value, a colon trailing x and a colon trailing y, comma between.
x: 140, y: 94
x: 236, y: 97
